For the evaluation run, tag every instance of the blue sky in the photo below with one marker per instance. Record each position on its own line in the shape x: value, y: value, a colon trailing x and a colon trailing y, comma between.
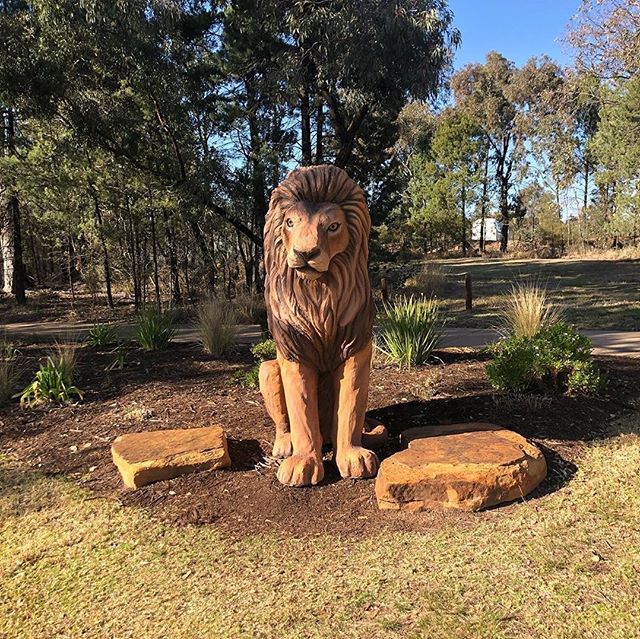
x: 518, y: 29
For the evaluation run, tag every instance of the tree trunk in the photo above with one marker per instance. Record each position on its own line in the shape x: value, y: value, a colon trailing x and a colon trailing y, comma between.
x: 504, y: 214
x: 14, y: 275
x: 103, y: 243
x: 319, y: 134
x: 154, y: 254
x: 207, y: 254
x: 464, y: 221
x: 70, y: 269
x: 483, y: 205
x: 305, y: 126
x: 176, y: 293
x: 18, y: 284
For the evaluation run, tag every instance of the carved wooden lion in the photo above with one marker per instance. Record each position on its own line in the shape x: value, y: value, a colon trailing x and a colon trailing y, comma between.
x: 320, y: 314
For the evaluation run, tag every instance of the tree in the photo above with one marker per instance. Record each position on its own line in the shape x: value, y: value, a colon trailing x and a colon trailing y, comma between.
x: 604, y: 34
x: 487, y: 93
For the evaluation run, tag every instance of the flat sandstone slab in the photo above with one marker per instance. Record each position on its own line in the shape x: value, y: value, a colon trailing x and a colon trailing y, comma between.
x: 143, y: 458
x: 463, y: 466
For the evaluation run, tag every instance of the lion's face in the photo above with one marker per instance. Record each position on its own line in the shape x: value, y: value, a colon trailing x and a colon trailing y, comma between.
x: 313, y: 234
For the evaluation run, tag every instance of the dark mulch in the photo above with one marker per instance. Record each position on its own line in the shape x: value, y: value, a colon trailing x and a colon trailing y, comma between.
x: 183, y: 387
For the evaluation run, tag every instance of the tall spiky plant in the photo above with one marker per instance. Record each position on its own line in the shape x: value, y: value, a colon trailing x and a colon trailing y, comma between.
x: 410, y: 329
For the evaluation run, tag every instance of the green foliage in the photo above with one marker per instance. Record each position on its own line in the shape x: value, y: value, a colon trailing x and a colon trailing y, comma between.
x: 556, y: 359
x: 8, y: 352
x: 154, y: 329
x: 102, y: 335
x: 250, y: 378
x: 410, y: 329
x: 216, y: 326
x: 120, y: 359
x: 264, y: 350
x: 52, y: 383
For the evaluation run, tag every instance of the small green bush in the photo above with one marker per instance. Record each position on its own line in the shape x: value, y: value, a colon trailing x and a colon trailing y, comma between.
x: 52, y: 383
x: 264, y: 350
x: 8, y: 352
x: 250, y: 378
x: 154, y: 329
x: 410, y: 329
x: 556, y: 359
x: 102, y: 335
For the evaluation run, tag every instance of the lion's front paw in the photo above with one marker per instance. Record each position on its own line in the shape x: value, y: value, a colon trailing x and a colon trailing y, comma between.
x: 301, y: 470
x: 357, y: 462
x: 282, y: 446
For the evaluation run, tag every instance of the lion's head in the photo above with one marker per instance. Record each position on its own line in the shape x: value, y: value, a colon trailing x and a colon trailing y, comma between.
x: 316, y: 253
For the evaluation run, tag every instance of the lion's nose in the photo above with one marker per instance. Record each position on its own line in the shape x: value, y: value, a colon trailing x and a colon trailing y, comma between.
x: 307, y: 256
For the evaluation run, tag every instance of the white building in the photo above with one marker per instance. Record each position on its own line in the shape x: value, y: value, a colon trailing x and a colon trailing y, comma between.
x: 492, y: 229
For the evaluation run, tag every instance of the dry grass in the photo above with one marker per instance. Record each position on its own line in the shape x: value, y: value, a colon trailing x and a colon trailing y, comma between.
x: 430, y: 281
x: 526, y: 310
x: 8, y: 379
x: 216, y: 326
x: 564, y: 566
x: 9, y: 370
x: 66, y: 354
x: 249, y: 307
x: 590, y: 293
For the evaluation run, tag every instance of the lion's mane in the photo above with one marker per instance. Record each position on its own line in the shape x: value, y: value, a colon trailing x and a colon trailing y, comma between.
x: 322, y: 322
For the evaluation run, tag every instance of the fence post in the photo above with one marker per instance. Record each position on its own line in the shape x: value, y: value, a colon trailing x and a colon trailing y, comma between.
x: 468, y: 290
x: 384, y: 289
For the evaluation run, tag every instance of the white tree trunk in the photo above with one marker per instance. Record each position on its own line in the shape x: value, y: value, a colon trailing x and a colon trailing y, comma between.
x: 6, y: 249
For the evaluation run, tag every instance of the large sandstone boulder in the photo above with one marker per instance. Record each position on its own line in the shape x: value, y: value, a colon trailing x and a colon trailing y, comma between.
x: 143, y: 458
x: 464, y: 466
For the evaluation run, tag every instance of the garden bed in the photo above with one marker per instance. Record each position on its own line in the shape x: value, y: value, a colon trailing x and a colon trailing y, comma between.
x: 183, y: 387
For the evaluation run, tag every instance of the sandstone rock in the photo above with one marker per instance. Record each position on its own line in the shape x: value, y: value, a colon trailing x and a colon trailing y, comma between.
x: 463, y: 466
x: 143, y: 458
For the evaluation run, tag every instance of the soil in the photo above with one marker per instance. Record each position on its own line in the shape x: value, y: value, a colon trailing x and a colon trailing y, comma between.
x: 183, y: 387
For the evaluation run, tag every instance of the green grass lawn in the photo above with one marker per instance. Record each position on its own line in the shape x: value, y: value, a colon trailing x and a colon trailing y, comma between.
x: 563, y: 566
x: 592, y: 293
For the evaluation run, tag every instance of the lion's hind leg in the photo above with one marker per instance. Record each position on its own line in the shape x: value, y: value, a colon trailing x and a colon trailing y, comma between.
x: 274, y: 401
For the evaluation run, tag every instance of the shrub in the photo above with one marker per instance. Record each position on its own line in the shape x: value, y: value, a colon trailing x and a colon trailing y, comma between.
x: 250, y: 378
x: 556, y: 359
x: 410, y: 329
x: 216, y: 326
x: 52, y: 383
x: 154, y: 329
x: 102, y: 335
x: 264, y: 350
x: 527, y: 310
x: 8, y: 352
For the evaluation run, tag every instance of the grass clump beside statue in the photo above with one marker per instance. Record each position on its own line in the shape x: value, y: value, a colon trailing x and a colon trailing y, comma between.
x: 542, y: 353
x: 411, y: 328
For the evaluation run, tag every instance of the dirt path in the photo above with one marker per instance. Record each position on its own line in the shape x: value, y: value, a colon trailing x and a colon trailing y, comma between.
x: 605, y: 342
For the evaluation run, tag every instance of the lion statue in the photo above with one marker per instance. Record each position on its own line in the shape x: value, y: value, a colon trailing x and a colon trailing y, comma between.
x: 320, y: 313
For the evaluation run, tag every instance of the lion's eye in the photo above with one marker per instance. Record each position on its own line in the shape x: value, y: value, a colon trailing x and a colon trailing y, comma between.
x: 289, y: 222
x: 334, y: 227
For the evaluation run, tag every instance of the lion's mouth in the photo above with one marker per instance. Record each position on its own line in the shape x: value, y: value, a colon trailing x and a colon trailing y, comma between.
x: 308, y: 272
